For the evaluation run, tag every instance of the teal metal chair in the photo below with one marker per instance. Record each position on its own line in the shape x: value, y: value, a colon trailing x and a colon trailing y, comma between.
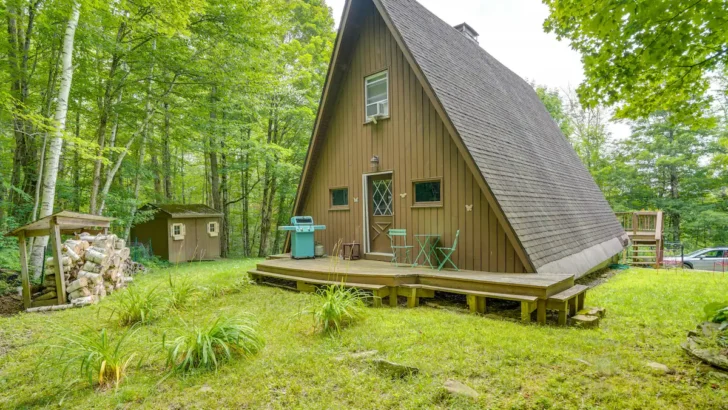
x: 447, y: 253
x: 397, y: 250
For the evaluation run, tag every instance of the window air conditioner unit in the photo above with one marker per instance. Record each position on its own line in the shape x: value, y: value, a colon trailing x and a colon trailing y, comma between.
x: 380, y: 113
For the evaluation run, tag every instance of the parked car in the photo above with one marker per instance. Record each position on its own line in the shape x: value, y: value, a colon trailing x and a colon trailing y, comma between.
x: 704, y: 259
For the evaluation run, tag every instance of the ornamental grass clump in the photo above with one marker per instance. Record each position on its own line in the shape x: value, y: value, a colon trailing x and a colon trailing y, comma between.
x: 334, y: 307
x: 207, y: 347
x: 97, y: 357
x: 180, y: 291
x: 136, y: 306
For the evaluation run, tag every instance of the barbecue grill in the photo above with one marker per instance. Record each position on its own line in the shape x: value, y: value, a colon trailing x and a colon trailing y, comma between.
x: 302, y: 229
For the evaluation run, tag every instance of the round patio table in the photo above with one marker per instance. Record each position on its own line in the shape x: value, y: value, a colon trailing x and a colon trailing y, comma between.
x: 427, y: 243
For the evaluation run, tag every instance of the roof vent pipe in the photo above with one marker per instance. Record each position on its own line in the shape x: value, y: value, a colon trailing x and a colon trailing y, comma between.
x: 467, y: 31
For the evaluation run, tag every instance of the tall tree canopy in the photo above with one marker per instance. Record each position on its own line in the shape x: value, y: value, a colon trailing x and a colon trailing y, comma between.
x: 645, y: 56
x: 198, y: 101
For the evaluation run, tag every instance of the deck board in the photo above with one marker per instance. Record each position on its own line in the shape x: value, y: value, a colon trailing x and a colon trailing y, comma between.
x: 384, y: 273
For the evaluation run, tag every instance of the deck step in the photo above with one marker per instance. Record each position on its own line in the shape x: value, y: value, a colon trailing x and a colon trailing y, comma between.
x: 506, y: 296
x: 317, y: 281
x: 569, y: 293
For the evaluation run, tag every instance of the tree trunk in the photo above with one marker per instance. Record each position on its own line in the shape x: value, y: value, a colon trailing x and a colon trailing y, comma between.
x: 166, y: 156
x: 225, y: 228
x: 104, y: 120
x: 54, y: 153
x: 245, y: 190
x: 137, y: 177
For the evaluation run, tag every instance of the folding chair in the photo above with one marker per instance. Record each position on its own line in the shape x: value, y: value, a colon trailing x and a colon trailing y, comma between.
x: 398, y: 249
x: 447, y: 252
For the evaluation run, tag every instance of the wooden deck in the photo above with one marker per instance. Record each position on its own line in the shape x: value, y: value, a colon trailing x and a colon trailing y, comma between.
x: 533, y: 290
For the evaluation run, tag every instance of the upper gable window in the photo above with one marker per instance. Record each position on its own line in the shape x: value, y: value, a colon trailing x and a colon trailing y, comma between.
x: 377, y: 95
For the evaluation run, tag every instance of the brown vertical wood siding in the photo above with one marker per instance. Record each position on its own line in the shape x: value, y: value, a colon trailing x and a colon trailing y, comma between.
x: 414, y: 144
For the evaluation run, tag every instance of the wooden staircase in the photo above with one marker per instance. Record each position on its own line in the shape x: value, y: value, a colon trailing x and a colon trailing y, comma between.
x: 645, y: 233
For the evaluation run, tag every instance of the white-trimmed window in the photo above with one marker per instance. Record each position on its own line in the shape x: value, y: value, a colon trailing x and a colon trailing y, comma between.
x: 178, y: 231
x: 376, y: 91
x: 213, y: 228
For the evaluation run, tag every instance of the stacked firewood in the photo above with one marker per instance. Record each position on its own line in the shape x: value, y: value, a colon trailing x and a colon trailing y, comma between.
x: 93, y: 267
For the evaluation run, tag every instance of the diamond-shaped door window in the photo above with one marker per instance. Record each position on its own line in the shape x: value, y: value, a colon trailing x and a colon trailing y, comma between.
x: 382, y: 197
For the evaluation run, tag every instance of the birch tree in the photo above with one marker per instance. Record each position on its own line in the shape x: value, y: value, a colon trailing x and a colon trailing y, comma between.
x: 54, y: 153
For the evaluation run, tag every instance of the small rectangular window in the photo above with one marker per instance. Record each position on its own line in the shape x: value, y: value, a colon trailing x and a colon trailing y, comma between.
x: 339, y: 197
x: 428, y: 192
x: 377, y: 95
x: 212, y: 228
x: 178, y: 231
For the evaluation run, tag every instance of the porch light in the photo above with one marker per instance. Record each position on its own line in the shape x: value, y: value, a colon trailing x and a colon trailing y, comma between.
x: 374, y: 162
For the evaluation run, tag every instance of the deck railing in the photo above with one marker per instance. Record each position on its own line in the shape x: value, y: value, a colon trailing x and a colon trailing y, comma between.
x: 644, y: 224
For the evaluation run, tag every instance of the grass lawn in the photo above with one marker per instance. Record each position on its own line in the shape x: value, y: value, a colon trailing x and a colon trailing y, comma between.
x: 510, y: 364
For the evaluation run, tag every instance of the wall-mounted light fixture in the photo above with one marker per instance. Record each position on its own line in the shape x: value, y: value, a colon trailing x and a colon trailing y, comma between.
x: 374, y: 162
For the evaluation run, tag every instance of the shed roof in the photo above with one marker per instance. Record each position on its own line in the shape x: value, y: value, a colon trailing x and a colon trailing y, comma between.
x: 66, y: 221
x: 186, y: 210
x: 541, y: 192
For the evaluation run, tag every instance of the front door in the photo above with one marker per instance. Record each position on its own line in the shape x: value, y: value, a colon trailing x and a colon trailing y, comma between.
x: 380, y: 215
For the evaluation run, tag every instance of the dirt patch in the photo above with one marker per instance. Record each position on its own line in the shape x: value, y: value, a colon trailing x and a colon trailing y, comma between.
x: 10, y: 305
x: 598, y: 277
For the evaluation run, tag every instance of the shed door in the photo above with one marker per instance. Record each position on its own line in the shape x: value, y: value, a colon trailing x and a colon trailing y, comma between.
x: 208, y: 246
x: 381, y: 212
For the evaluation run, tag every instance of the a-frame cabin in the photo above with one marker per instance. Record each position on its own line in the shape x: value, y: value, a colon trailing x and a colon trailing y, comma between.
x: 420, y: 129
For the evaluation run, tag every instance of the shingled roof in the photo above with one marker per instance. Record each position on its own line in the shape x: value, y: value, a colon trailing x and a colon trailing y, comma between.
x: 549, y: 198
x: 186, y: 210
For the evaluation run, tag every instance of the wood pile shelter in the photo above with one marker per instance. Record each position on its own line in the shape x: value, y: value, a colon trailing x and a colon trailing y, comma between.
x: 180, y: 233
x: 62, y: 223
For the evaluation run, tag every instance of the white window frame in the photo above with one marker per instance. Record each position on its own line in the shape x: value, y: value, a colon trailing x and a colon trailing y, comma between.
x: 182, y: 230
x: 215, y: 231
x: 366, y: 92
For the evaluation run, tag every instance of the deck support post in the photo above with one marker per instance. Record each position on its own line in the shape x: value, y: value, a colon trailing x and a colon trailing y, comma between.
x: 393, y: 296
x: 412, y: 299
x: 305, y: 287
x: 563, y: 309
x: 472, y: 303
x: 541, y: 311
x: 572, y: 306
x: 580, y: 301
x: 526, y: 311
x: 481, y: 304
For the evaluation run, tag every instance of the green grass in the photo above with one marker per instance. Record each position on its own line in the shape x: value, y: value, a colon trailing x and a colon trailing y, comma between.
x: 510, y: 364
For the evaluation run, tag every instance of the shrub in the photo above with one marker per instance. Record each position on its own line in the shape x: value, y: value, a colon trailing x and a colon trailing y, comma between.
x: 209, y: 346
x: 98, y: 358
x: 335, y: 306
x: 717, y: 312
x: 180, y: 291
x: 135, y: 306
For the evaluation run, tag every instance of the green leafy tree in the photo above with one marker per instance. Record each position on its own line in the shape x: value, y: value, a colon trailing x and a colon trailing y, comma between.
x: 645, y: 56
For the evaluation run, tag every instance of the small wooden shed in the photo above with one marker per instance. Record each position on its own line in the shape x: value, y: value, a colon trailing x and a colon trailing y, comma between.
x: 180, y: 233
x: 66, y: 223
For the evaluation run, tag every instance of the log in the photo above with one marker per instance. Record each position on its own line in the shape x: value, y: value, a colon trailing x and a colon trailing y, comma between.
x: 79, y: 293
x: 95, y: 256
x: 65, y: 260
x: 84, y: 301
x: 91, y: 267
x: 48, y: 308
x: 120, y: 244
x: 94, y: 278
x: 71, y: 254
x: 47, y: 296
x: 77, y: 284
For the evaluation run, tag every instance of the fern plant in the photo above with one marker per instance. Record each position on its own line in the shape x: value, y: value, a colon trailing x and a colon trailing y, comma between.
x: 180, y: 291
x: 334, y: 307
x: 718, y: 313
x: 136, y: 306
x: 98, y: 358
x: 209, y: 346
